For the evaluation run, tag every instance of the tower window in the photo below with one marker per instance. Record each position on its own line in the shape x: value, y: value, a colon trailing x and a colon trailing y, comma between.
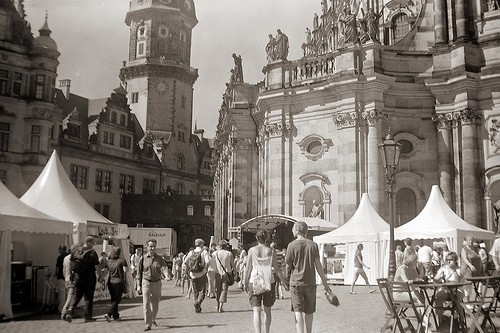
x: 135, y: 97
x: 17, y: 85
x: 4, y: 136
x: 4, y: 79
x: 180, y: 161
x: 39, y: 86
x: 113, y: 117
x: 123, y: 120
x: 141, y: 41
x: 401, y: 26
x: 35, y: 138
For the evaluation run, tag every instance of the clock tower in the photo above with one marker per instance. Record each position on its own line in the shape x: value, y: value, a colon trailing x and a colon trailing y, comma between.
x: 157, y: 76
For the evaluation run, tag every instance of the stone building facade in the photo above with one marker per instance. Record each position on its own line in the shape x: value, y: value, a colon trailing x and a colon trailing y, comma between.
x: 106, y: 150
x: 428, y: 70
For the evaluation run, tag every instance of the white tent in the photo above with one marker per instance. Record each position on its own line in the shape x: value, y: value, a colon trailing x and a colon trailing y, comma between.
x: 364, y: 227
x: 437, y: 220
x: 54, y: 194
x: 35, y: 235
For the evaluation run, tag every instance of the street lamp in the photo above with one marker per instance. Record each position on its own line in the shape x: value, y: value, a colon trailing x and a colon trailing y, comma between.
x: 390, y: 151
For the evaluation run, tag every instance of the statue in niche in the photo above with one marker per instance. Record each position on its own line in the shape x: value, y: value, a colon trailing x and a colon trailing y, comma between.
x: 317, y: 210
x: 315, y: 22
x: 371, y: 20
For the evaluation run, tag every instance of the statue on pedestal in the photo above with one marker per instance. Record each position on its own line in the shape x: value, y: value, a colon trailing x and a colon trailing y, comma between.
x: 317, y: 210
x: 238, y: 68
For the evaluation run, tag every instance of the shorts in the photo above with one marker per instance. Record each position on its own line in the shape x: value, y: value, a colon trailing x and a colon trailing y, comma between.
x: 303, y: 299
x: 266, y: 298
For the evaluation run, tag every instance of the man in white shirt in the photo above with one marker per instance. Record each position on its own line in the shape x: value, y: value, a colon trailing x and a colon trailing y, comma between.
x: 425, y: 260
x: 198, y: 274
x: 225, y: 265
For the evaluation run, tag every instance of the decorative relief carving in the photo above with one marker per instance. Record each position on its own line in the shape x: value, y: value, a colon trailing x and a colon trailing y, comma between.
x: 43, y: 113
x: 373, y: 117
x: 493, y: 133
x: 345, y: 119
x: 313, y: 147
x: 241, y: 143
x: 278, y: 129
x: 466, y: 116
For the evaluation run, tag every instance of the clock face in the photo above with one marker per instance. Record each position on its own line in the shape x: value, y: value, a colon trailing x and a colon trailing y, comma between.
x: 161, y: 86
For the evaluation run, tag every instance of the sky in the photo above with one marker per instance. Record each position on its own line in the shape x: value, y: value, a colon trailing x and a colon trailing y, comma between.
x: 92, y: 37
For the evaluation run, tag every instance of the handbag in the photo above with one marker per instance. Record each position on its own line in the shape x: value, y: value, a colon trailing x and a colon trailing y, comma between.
x: 237, y: 277
x: 229, y: 276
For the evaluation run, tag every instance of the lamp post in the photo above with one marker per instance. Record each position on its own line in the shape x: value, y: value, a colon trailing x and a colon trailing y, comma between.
x: 390, y: 151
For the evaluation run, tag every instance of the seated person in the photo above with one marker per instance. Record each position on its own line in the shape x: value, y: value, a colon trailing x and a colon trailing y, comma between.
x: 408, y: 273
x: 450, y: 272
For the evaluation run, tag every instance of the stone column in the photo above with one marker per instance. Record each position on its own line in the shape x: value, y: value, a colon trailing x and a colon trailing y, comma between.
x: 445, y: 157
x: 375, y: 169
x: 440, y: 22
x: 460, y: 8
x: 470, y: 173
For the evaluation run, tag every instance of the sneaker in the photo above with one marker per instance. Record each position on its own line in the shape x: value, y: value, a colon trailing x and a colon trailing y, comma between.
x: 108, y: 319
x: 68, y: 317
x: 147, y: 328
x: 197, y: 308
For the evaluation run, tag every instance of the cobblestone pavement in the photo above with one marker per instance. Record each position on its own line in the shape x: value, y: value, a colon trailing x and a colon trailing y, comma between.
x: 363, y: 312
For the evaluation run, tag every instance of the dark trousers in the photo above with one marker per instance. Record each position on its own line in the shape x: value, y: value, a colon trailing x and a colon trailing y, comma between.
x: 116, y: 292
x: 85, y: 287
x: 199, y: 288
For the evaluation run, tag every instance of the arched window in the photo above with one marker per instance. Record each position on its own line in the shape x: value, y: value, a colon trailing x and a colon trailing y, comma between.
x: 113, y: 117
x: 406, y: 206
x: 190, y: 210
x: 401, y: 26
x: 122, y: 120
x: 180, y: 161
x: 313, y: 202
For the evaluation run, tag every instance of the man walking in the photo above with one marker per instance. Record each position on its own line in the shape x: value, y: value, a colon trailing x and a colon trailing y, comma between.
x: 302, y: 259
x: 149, y: 275
x: 61, y: 286
x: 134, y: 261
x: 86, y: 263
x: 196, y: 263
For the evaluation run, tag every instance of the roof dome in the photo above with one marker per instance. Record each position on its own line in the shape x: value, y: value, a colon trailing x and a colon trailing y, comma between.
x: 44, y: 40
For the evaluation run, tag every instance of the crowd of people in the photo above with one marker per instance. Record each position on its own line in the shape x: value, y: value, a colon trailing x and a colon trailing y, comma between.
x: 263, y: 272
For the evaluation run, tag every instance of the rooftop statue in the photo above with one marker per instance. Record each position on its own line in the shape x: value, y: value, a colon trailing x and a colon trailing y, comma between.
x: 277, y: 47
x: 238, y: 68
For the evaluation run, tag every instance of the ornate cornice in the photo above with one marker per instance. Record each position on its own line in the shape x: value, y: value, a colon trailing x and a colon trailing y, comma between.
x: 277, y: 129
x: 343, y: 120
x: 465, y: 116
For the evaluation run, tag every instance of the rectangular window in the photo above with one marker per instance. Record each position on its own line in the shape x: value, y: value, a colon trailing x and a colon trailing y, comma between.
x: 140, y: 48
x: 103, y: 181
x: 35, y: 138
x: 73, y: 131
x: 105, y: 138
x: 39, y: 86
x: 3, y: 176
x: 125, y: 141
x: 4, y: 80
x: 4, y: 136
x: 78, y: 176
x: 127, y: 184
x: 17, y: 85
x: 135, y: 97
x: 148, y: 186
x: 102, y: 209
x: 111, y: 138
x: 190, y: 210
x: 208, y: 211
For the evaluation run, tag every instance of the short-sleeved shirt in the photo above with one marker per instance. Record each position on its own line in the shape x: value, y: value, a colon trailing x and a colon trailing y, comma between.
x: 85, y: 261
x: 205, y: 260
x: 357, y: 261
x: 151, y: 267
x: 225, y: 258
x: 300, y: 267
x: 495, y: 249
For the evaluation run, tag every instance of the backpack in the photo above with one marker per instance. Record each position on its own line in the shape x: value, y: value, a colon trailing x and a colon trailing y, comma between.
x: 80, y: 262
x: 194, y: 263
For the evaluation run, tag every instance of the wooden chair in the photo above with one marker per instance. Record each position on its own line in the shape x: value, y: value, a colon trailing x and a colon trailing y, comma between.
x: 403, y: 308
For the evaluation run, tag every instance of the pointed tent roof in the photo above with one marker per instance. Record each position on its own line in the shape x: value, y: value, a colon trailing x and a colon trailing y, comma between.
x: 365, y: 225
x: 18, y: 216
x: 438, y: 220
x: 54, y: 194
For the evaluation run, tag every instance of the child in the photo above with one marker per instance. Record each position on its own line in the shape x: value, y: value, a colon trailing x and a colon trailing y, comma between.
x: 450, y: 272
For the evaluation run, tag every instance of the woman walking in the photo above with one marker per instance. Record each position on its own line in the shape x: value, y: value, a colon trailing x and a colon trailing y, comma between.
x: 471, y: 262
x: 359, y: 269
x: 225, y: 265
x: 259, y: 275
x: 117, y: 268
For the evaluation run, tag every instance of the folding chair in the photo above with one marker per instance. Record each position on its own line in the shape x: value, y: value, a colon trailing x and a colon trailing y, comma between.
x: 403, y: 309
x: 480, y: 308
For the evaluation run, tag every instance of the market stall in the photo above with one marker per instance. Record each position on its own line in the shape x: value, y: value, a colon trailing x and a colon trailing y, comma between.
x: 338, y: 247
x: 24, y: 235
x: 53, y: 193
x: 437, y: 221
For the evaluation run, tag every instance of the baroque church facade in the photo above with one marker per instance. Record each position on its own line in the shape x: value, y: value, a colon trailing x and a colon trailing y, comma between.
x: 137, y: 143
x: 427, y: 71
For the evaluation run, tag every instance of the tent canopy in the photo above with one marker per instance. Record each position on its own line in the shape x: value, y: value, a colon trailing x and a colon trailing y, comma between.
x: 18, y: 216
x: 438, y: 220
x: 364, y: 226
x: 54, y: 194
x: 271, y: 221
